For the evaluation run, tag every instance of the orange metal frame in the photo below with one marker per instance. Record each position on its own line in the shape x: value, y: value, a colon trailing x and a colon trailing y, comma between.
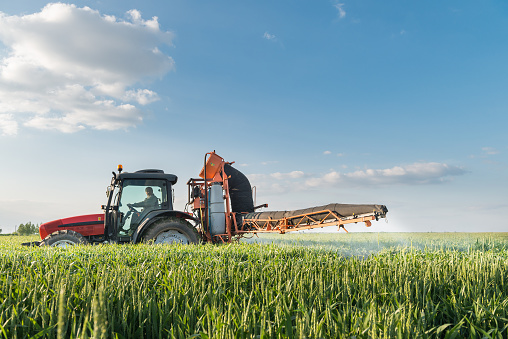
x: 212, y: 172
x: 305, y: 222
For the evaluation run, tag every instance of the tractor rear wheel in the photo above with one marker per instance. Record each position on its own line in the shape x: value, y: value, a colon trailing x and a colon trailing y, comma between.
x: 64, y: 238
x: 171, y: 231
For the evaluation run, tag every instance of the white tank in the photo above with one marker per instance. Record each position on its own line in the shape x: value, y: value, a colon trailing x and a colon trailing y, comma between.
x: 217, y: 210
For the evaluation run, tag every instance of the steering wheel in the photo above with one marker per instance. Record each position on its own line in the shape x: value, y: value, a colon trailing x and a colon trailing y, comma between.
x: 132, y: 208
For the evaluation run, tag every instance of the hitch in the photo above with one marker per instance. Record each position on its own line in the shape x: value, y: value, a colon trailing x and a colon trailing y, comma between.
x: 31, y: 244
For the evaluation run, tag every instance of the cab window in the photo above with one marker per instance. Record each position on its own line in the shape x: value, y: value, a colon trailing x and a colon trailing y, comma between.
x: 138, y: 198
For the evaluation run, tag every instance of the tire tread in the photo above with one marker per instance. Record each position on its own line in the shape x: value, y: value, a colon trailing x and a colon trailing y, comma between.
x: 63, y: 234
x: 175, y: 223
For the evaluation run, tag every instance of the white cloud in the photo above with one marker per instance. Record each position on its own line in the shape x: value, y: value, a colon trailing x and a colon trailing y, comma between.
x: 8, y: 126
x: 269, y: 36
x: 106, y: 116
x: 417, y: 173
x: 327, y: 152
x: 72, y: 68
x: 414, y: 174
x: 490, y: 150
x: 290, y: 175
x: 141, y: 96
x: 340, y: 9
x: 264, y: 163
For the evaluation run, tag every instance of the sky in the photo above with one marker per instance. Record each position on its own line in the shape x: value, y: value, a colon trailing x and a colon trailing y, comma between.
x: 400, y: 103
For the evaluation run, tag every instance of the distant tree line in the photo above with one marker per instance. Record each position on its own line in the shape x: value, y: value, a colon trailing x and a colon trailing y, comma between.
x: 27, y: 229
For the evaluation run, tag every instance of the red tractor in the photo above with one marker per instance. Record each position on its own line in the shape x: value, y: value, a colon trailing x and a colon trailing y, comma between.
x: 140, y: 209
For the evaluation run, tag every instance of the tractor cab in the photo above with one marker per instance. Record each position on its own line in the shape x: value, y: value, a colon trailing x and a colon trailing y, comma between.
x: 133, y: 199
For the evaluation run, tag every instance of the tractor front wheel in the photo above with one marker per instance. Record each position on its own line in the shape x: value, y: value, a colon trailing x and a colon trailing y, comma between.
x: 171, y: 231
x: 64, y: 238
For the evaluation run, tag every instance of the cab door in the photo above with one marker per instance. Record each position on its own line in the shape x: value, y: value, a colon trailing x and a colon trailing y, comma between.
x: 112, y: 213
x: 138, y: 198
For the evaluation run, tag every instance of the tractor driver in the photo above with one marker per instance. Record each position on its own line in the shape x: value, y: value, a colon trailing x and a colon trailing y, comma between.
x: 150, y: 203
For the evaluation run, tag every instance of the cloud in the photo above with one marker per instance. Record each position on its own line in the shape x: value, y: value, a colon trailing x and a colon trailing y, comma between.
x: 8, y: 126
x: 414, y: 174
x: 141, y: 96
x: 290, y: 175
x: 269, y: 36
x: 486, y: 153
x: 340, y: 8
x: 71, y: 68
x: 327, y: 152
x: 490, y: 150
x: 264, y: 163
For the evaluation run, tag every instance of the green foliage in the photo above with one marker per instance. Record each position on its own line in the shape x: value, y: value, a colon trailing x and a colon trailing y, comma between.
x: 244, y: 290
x: 27, y: 229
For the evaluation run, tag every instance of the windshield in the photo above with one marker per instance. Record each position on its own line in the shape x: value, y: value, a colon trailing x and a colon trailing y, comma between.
x: 138, y: 197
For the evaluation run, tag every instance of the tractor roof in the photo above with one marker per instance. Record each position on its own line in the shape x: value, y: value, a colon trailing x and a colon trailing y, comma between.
x: 149, y: 174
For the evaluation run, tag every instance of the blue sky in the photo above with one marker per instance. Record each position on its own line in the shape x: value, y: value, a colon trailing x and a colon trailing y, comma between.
x: 397, y: 103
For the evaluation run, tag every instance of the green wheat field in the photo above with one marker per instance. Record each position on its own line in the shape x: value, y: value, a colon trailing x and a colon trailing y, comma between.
x: 335, y: 285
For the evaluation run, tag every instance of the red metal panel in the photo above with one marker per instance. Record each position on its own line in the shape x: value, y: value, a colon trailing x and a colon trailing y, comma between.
x: 91, y: 224
x: 49, y: 227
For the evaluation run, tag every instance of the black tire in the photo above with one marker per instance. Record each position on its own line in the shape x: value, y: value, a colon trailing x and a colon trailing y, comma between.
x: 171, y: 231
x: 64, y: 238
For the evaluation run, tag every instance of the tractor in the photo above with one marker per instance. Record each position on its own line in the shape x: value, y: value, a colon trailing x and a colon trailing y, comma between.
x: 124, y: 222
x: 140, y: 209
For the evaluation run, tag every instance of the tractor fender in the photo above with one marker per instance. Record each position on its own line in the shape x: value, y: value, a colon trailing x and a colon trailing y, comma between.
x: 157, y: 215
